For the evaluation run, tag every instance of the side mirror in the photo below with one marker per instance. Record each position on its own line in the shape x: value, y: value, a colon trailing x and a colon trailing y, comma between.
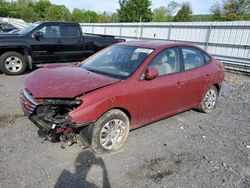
x: 38, y: 35
x: 151, y: 73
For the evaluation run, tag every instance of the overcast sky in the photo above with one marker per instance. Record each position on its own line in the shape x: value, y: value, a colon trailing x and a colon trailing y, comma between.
x: 198, y: 6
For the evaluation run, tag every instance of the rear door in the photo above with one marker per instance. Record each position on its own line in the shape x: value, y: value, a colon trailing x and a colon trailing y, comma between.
x: 196, y: 75
x: 72, y: 43
x: 162, y: 96
x: 47, y: 48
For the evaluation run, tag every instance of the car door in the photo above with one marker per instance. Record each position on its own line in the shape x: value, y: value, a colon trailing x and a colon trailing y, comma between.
x: 72, y: 43
x: 162, y: 96
x: 195, y: 74
x: 46, y: 48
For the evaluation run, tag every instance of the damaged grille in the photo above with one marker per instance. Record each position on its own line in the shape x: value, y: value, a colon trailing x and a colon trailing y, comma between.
x: 27, y: 102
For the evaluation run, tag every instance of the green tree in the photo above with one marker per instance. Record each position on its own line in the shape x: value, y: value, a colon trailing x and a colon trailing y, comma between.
x: 90, y: 16
x: 135, y: 11
x: 231, y: 10
x: 28, y: 14
x: 217, y: 11
x: 161, y: 15
x: 165, y: 14
x: 77, y: 15
x: 202, y: 17
x: 23, y: 3
x: 58, y: 13
x: 104, y: 18
x: 114, y: 18
x: 14, y: 10
x: 4, y: 8
x: 172, y: 7
x: 41, y: 7
x: 184, y: 14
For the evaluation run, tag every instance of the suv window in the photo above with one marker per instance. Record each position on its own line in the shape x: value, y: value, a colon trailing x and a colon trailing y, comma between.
x: 70, y: 31
x: 51, y: 31
x: 193, y: 58
x: 167, y: 61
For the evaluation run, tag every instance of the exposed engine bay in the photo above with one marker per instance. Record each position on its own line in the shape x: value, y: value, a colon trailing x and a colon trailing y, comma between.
x: 54, y: 122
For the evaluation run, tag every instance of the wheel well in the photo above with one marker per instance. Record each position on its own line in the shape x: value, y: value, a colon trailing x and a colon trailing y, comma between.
x: 217, y: 87
x: 125, y: 111
x: 22, y: 51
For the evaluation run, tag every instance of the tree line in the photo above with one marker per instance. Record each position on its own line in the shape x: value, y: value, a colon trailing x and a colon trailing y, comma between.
x: 129, y: 11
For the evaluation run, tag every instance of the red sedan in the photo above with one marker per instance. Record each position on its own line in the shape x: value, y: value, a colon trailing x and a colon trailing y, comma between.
x: 123, y: 87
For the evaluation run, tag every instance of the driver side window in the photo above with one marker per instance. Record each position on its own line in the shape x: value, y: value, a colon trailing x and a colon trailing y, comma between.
x: 167, y: 61
x: 51, y: 31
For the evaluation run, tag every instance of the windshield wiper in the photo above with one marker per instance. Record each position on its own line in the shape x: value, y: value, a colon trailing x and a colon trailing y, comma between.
x: 93, y: 70
x: 103, y: 73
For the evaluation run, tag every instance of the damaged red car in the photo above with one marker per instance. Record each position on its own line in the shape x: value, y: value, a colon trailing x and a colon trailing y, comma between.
x: 123, y: 87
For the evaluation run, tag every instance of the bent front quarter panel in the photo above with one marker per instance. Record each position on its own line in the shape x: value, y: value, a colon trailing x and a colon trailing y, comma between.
x: 121, y: 95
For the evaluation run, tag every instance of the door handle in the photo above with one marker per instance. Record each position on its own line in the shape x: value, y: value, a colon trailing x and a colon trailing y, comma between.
x: 179, y: 84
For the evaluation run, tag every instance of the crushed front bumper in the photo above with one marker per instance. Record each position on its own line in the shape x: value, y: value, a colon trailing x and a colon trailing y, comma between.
x: 27, y: 102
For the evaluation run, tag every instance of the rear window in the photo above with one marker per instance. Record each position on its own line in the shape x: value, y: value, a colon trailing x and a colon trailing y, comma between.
x: 70, y: 31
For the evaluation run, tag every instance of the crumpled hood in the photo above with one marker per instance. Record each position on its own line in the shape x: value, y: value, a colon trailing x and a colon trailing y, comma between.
x: 64, y: 82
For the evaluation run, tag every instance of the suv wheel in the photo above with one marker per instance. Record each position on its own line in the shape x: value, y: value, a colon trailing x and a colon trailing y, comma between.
x: 13, y: 63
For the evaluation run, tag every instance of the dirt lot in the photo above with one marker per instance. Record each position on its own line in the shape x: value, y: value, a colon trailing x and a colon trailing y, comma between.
x: 187, y: 150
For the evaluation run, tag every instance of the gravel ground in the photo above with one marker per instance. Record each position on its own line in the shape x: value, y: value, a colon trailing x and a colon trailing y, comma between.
x: 190, y: 149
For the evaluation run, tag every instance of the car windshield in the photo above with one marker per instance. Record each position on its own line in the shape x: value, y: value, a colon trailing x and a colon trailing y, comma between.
x: 117, y: 61
x: 28, y: 29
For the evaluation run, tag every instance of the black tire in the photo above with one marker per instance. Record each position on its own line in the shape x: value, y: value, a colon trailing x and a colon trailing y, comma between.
x: 21, y: 61
x: 205, y: 106
x: 96, y: 131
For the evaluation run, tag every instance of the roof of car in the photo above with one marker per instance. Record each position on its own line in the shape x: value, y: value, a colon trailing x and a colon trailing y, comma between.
x: 40, y: 22
x: 154, y: 44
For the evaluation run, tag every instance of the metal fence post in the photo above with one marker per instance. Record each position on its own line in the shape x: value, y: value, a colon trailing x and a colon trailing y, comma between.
x: 248, y: 42
x: 120, y: 30
x: 169, y: 31
x: 141, y: 34
x: 208, y: 36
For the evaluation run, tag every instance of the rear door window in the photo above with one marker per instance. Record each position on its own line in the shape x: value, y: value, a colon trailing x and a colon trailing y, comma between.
x: 70, y: 31
x: 192, y: 57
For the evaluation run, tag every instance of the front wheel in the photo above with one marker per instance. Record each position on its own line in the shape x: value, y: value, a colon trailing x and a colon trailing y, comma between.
x: 209, y: 101
x: 110, y: 132
x: 13, y: 63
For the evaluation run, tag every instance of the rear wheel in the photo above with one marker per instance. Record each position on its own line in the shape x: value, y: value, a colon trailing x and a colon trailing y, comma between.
x: 13, y: 63
x: 209, y: 101
x: 110, y: 132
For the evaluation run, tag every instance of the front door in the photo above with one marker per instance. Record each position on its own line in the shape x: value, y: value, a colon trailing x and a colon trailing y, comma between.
x: 162, y: 96
x: 47, y: 48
